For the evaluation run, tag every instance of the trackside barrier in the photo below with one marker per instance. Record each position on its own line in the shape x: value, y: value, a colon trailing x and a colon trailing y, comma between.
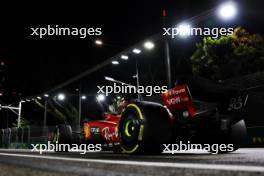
x: 22, y: 138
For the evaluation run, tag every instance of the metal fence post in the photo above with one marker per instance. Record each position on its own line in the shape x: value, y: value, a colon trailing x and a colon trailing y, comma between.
x: 16, y: 132
x: 22, y: 134
x: 9, y: 136
x: 19, y: 114
x: 29, y: 135
x: 3, y: 134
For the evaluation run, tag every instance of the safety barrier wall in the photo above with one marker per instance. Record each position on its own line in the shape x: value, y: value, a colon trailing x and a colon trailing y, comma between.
x: 24, y: 137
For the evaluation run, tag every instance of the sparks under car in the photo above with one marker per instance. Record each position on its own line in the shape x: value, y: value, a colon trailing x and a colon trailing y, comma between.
x: 144, y: 126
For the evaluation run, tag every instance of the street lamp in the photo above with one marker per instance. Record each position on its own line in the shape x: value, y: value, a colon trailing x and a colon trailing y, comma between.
x: 124, y: 57
x: 100, y: 97
x: 228, y: 10
x: 61, y: 97
x: 46, y: 95
x: 98, y: 42
x: 136, y: 51
x: 123, y: 83
x: 109, y: 78
x: 116, y: 81
x: 83, y: 97
x: 115, y: 62
x: 184, y: 29
x: 149, y: 45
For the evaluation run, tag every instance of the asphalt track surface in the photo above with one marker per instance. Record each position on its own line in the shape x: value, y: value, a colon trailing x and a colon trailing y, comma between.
x: 24, y: 162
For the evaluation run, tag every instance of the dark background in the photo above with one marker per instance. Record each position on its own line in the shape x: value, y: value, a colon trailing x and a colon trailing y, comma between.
x: 35, y: 65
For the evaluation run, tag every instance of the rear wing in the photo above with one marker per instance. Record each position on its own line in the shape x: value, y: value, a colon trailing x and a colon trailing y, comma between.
x: 178, y: 97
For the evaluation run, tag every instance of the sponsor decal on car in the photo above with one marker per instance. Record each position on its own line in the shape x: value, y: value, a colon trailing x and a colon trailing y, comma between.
x: 95, y: 132
x: 108, y: 135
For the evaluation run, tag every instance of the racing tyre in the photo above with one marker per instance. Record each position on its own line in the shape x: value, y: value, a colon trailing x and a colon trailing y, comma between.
x: 144, y: 127
x: 236, y: 137
x: 64, y: 136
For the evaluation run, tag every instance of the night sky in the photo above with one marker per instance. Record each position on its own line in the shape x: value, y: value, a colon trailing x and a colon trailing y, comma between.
x: 35, y: 65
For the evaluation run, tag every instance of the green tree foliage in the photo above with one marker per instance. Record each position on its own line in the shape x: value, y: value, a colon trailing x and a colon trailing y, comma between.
x: 229, y: 56
x: 23, y: 123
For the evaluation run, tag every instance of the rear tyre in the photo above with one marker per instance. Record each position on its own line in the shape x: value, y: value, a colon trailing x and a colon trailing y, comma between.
x: 236, y: 137
x: 144, y: 128
x: 239, y: 133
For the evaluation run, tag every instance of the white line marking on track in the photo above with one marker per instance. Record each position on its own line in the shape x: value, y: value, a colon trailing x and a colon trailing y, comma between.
x: 224, y: 167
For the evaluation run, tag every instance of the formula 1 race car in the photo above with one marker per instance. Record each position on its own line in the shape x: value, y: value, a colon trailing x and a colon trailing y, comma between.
x: 145, y: 126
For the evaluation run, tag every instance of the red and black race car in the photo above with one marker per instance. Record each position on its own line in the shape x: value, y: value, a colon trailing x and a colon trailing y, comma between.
x: 144, y: 126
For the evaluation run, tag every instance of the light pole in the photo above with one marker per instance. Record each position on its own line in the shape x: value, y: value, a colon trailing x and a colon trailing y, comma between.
x: 138, y: 51
x: 116, y: 81
x: 46, y: 96
x: 19, y: 113
x: 16, y: 110
x: 45, y: 113
x: 167, y: 51
x: 45, y: 116
x: 137, y: 74
x: 168, y: 64
x: 227, y: 10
